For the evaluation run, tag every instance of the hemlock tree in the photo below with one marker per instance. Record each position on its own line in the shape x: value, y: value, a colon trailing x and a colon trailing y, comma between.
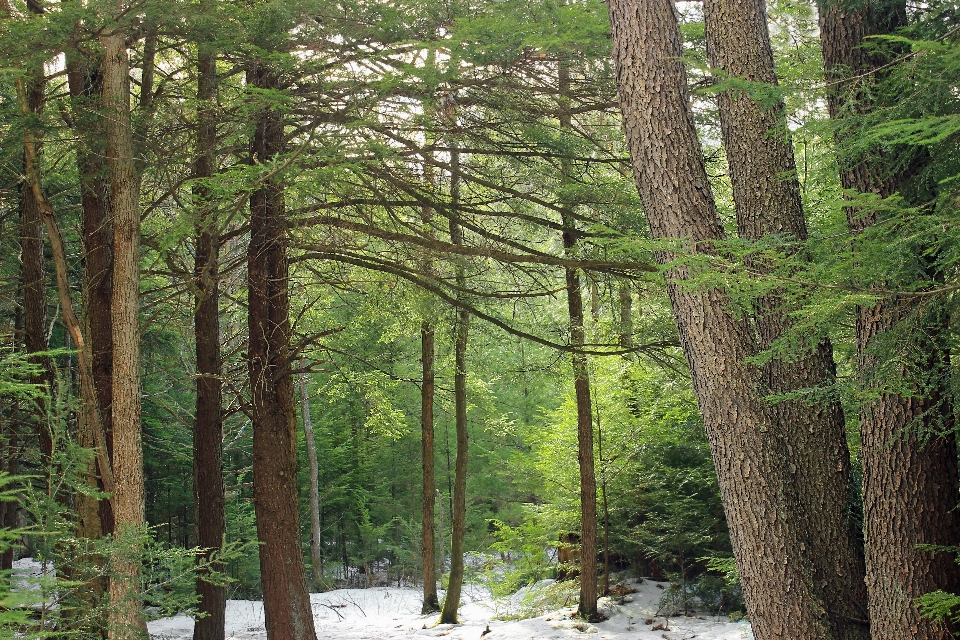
x: 286, y: 600
x: 746, y: 438
x: 126, y: 616
x: 766, y: 195
x: 910, y: 478
x: 208, y: 489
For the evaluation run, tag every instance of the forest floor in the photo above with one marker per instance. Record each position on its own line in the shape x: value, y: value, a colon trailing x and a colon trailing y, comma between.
x: 390, y: 613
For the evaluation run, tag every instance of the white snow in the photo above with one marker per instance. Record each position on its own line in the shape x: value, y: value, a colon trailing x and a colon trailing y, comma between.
x: 390, y: 613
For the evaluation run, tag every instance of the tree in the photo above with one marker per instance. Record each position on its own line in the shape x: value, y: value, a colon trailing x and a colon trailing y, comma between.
x: 285, y: 596
x: 766, y: 196
x: 581, y: 381
x: 746, y: 441
x: 910, y: 477
x: 210, y: 516
x: 126, y: 618
x: 461, y: 332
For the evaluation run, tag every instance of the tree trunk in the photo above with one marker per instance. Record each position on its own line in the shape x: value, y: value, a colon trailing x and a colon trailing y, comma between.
x: 461, y: 328
x: 581, y: 384
x: 745, y: 440
x: 208, y: 489
x: 625, y: 325
x: 125, y: 616
x: 285, y: 596
x: 431, y: 603
x: 910, y: 486
x: 316, y: 551
x: 86, y: 86
x: 766, y: 195
x: 32, y: 269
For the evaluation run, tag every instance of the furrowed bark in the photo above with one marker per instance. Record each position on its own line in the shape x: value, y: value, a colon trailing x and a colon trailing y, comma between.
x: 208, y: 489
x: 125, y: 618
x: 746, y: 445
x: 285, y: 597
x: 766, y: 195
x: 85, y: 79
x: 910, y: 484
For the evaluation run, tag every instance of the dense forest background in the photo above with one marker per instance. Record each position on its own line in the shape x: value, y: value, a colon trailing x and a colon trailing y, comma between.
x: 320, y: 294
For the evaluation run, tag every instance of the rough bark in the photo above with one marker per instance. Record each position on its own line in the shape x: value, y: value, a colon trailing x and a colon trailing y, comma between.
x: 208, y: 489
x: 285, y: 597
x: 86, y: 86
x: 431, y: 603
x: 581, y: 384
x: 747, y: 447
x: 910, y: 486
x: 316, y: 551
x: 766, y: 195
x: 125, y: 616
x: 461, y: 329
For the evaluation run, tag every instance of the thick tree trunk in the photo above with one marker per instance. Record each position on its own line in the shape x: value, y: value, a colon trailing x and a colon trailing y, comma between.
x: 766, y: 195
x: 581, y: 385
x: 910, y: 487
x: 431, y: 603
x: 125, y: 617
x: 316, y: 550
x: 745, y: 441
x: 461, y: 329
x: 86, y: 86
x: 286, y: 599
x: 208, y: 489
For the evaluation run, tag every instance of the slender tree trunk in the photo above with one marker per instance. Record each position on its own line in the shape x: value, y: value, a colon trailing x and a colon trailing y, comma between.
x: 581, y: 384
x: 32, y: 269
x: 428, y: 546
x: 745, y: 442
x: 910, y: 487
x: 316, y: 551
x: 208, y: 489
x: 125, y: 616
x: 431, y: 602
x: 626, y: 315
x: 766, y: 195
x: 286, y: 599
x: 461, y: 328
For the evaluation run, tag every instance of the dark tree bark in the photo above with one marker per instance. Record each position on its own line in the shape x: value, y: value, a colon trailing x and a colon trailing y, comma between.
x: 745, y: 441
x: 85, y: 79
x: 431, y: 602
x: 125, y: 615
x: 766, y: 195
x: 581, y: 384
x: 428, y: 546
x: 910, y: 487
x: 461, y: 329
x: 285, y: 597
x: 625, y: 324
x: 208, y: 489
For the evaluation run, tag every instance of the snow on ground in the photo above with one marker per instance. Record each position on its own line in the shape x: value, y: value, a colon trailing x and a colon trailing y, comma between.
x: 390, y: 613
